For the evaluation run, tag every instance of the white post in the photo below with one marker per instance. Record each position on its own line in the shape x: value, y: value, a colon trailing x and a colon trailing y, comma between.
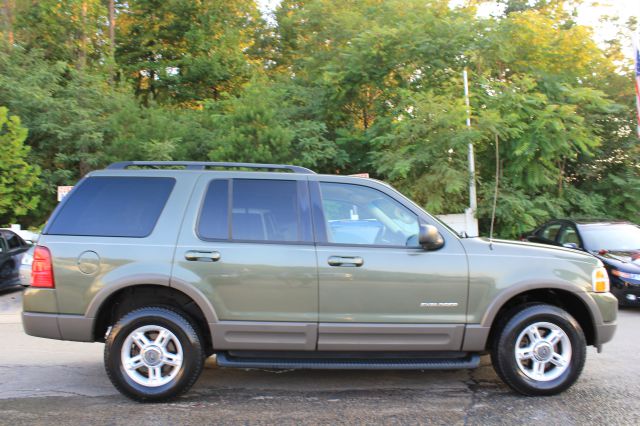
x: 473, y: 203
x: 636, y: 56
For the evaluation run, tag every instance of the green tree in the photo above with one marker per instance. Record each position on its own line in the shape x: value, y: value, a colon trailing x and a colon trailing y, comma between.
x: 19, y: 179
x: 341, y: 87
x: 261, y: 126
x: 360, y: 59
x: 72, y: 31
x: 186, y: 52
x: 424, y: 153
x: 78, y: 122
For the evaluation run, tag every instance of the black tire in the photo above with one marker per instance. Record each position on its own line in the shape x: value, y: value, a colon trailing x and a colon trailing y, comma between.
x: 503, y: 350
x: 188, y: 338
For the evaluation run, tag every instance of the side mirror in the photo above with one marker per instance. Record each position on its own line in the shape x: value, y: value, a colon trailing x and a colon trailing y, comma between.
x: 430, y: 238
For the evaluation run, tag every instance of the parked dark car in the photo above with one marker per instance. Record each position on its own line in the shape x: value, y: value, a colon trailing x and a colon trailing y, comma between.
x: 616, y: 243
x: 12, y: 248
x: 25, y: 267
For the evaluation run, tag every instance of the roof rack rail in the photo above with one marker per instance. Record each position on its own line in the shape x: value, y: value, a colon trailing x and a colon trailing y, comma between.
x: 202, y: 165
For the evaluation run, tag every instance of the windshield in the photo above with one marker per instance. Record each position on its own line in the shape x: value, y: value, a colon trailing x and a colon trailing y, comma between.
x: 620, y: 237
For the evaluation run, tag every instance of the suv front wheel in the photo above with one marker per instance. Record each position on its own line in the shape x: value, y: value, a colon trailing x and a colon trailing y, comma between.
x: 153, y: 354
x: 540, y: 350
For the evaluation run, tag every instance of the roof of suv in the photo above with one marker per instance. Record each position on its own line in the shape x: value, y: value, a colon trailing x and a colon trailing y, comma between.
x: 212, y: 166
x: 599, y: 221
x: 206, y: 165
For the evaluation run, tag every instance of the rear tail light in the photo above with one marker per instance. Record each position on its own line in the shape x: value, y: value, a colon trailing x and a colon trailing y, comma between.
x: 42, y: 268
x: 600, y: 280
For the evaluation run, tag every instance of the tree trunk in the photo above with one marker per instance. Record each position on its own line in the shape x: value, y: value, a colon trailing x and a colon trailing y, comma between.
x: 112, y: 29
x: 365, y: 109
x: 9, y: 7
x: 561, y: 165
x: 82, y: 54
x: 111, y: 62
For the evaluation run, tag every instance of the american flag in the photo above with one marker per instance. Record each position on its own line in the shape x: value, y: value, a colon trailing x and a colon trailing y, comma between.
x: 638, y: 86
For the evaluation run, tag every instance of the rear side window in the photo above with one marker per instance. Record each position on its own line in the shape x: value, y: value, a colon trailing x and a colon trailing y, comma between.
x: 113, y: 207
x: 261, y: 210
x: 213, y: 223
x: 265, y: 210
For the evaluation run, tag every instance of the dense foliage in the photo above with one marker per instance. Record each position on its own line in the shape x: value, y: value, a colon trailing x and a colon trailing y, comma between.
x: 338, y: 86
x: 18, y: 178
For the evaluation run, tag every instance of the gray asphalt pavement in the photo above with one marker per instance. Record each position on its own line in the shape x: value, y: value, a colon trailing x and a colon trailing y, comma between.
x: 63, y: 383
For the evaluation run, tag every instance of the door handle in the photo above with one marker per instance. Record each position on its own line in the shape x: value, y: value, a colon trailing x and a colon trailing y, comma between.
x: 202, y: 256
x: 345, y: 261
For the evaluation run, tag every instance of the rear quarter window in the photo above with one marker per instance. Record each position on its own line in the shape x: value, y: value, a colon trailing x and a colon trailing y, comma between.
x: 113, y: 207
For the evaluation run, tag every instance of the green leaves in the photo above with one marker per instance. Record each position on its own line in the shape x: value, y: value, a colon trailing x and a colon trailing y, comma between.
x: 19, y: 180
x: 263, y: 126
x: 183, y: 52
x: 340, y: 87
x: 424, y: 153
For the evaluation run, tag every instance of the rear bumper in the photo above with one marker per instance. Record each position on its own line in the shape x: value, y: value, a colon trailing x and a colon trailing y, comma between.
x: 56, y: 326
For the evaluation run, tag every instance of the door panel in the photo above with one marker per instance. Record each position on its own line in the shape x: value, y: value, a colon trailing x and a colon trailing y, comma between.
x: 254, y: 281
x: 394, y: 285
x: 248, y: 276
x: 387, y: 283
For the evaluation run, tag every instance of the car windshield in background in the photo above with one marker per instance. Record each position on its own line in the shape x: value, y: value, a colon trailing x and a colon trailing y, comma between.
x: 621, y: 237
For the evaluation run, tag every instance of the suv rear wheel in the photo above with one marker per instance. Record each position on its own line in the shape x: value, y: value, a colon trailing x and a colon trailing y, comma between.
x: 153, y: 354
x: 541, y: 350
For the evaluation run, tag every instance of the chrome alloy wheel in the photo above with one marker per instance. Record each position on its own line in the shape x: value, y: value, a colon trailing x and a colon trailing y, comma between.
x: 543, y: 351
x: 151, y: 356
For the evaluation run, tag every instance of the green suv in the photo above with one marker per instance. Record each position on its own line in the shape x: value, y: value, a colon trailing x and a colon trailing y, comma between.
x: 274, y: 266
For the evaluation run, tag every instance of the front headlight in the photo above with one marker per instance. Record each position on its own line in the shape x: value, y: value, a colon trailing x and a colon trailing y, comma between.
x: 626, y: 275
x: 600, y: 280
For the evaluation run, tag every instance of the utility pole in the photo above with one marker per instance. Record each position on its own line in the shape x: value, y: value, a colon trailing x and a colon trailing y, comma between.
x: 473, y: 202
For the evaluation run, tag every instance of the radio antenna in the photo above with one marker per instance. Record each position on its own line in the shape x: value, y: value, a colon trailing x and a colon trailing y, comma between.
x: 495, y: 194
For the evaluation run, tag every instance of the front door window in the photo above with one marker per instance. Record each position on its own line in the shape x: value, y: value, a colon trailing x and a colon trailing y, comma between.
x: 356, y: 214
x: 569, y: 236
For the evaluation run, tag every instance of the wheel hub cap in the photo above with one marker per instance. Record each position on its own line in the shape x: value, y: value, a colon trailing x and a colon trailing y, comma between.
x: 152, y: 356
x: 543, y: 352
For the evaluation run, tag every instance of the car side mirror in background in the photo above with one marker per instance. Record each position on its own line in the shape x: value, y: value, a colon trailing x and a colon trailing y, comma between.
x: 430, y: 238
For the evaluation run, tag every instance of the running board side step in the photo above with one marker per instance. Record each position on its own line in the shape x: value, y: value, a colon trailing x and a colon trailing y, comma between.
x: 470, y: 361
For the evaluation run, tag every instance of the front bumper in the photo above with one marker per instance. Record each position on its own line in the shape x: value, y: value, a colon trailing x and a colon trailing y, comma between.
x: 605, y: 332
x: 627, y: 292
x: 56, y: 326
x: 605, y: 327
